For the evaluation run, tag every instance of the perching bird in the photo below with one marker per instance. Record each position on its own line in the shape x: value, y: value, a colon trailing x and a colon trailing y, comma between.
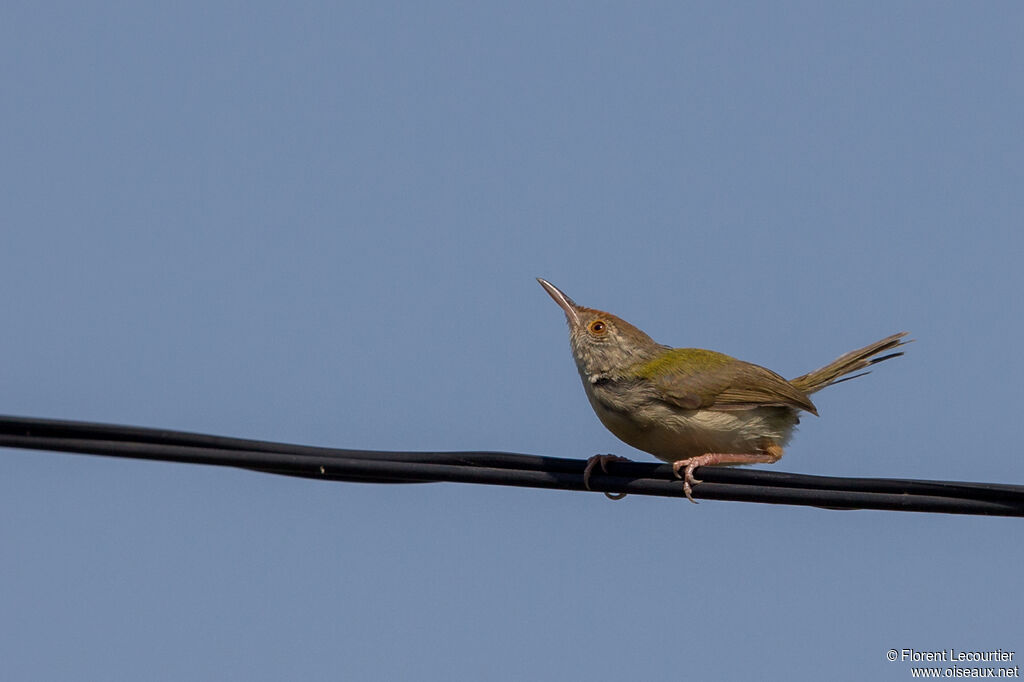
x: 690, y: 406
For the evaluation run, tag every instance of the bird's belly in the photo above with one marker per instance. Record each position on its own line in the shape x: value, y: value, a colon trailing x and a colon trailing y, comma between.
x: 672, y: 434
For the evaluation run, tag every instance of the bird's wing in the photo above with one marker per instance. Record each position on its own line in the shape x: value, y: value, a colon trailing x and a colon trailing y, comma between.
x: 692, y: 379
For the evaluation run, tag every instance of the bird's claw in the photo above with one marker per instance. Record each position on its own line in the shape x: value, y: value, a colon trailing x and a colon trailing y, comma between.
x: 603, y: 461
x: 689, y: 480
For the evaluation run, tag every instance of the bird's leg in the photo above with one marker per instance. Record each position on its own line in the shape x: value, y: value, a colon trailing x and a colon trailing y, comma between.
x: 603, y: 461
x: 770, y: 453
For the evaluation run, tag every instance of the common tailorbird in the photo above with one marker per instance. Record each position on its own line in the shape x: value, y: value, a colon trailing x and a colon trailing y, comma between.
x: 690, y: 406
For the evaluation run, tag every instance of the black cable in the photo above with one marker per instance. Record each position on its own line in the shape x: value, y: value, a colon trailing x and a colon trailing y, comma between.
x: 501, y: 468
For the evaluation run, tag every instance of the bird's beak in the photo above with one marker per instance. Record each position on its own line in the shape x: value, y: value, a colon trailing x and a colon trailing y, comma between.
x: 563, y: 301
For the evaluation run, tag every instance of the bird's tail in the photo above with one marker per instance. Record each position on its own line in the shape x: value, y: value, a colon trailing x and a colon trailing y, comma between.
x: 838, y: 369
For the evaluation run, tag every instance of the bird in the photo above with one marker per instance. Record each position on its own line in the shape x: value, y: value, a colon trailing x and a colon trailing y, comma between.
x: 689, y: 406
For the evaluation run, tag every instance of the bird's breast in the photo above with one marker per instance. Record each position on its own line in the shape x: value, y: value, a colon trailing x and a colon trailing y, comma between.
x: 671, y: 433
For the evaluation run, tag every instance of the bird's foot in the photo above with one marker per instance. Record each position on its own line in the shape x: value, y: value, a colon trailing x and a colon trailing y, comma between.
x: 602, y: 460
x: 689, y: 464
x: 770, y: 453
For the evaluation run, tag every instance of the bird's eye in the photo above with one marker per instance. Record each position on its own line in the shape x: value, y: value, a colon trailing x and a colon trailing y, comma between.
x: 597, y: 327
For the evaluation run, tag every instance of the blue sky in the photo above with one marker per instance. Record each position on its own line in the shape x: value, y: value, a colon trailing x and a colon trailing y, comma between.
x: 321, y: 223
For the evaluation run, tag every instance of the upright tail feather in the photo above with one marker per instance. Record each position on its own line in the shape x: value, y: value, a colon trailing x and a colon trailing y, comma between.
x: 836, y: 371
